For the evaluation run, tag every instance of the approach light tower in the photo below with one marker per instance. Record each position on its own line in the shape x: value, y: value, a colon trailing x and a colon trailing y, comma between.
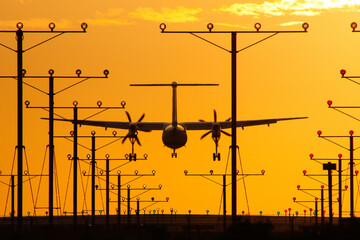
x: 233, y: 52
x: 20, y: 38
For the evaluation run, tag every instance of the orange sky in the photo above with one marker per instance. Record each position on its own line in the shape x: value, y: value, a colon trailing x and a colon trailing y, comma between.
x: 289, y: 75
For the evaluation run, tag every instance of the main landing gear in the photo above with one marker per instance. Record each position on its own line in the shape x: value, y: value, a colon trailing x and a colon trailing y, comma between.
x: 216, y: 156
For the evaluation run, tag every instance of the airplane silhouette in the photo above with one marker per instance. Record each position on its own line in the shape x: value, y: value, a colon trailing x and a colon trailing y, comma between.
x: 174, y: 133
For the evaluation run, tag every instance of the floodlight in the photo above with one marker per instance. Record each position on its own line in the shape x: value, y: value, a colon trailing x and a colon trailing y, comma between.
x: 19, y: 25
x: 99, y: 103
x: 84, y: 26
x: 210, y: 26
x: 162, y: 26
x: 52, y: 26
x: 353, y: 26
x: 78, y: 72
x: 342, y: 72
x: 257, y: 26
x: 106, y: 72
x: 305, y: 26
x: 51, y: 72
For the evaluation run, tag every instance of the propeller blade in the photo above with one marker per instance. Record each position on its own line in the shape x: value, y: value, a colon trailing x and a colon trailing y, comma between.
x: 215, y: 116
x: 128, y: 116
x: 228, y: 120
x: 205, y: 134
x: 200, y: 120
x: 227, y: 134
x: 141, y: 118
x: 137, y: 140
x: 124, y: 139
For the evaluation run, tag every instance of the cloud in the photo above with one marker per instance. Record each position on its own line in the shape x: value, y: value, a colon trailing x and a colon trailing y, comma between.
x: 291, y: 23
x: 107, y: 21
x: 291, y: 7
x: 179, y: 14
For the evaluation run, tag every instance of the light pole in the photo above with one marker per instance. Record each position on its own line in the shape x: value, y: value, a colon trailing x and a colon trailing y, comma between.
x: 351, y: 163
x: 212, y: 174
x: 20, y: 51
x: 233, y: 53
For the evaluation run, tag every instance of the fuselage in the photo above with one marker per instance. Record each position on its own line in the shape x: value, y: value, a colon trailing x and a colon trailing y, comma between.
x: 174, y: 136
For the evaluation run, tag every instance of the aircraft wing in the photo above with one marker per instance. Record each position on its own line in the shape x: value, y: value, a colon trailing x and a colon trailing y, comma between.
x: 142, y: 126
x: 224, y: 125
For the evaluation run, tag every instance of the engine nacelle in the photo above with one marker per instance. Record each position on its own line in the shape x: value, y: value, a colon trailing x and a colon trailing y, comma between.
x: 174, y: 137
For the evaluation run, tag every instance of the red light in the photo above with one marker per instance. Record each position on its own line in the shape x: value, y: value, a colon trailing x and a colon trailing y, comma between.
x: 316, y: 198
x: 322, y: 186
x: 357, y: 172
x: 319, y: 133
x: 342, y: 72
x: 329, y: 103
x: 285, y: 211
x: 311, y: 155
x: 310, y: 209
x: 294, y: 198
x: 351, y: 132
x: 289, y: 209
x: 338, y: 199
x: 340, y: 155
x: 324, y: 211
x: 346, y: 186
x: 305, y: 211
x: 298, y: 186
x: 353, y: 26
x: 304, y: 172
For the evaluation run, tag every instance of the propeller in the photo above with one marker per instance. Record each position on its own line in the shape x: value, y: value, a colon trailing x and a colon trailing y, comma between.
x: 215, y: 127
x: 132, y: 134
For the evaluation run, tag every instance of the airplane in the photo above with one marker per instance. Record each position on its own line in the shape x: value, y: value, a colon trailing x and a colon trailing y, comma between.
x: 174, y: 134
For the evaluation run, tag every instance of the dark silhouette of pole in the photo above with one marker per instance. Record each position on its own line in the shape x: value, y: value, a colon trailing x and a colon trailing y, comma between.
x: 128, y: 205
x: 138, y: 211
x: 12, y: 200
x: 330, y: 198
x: 351, y: 175
x: 119, y: 199
x: 107, y: 191
x: 340, y: 190
x: 19, y: 37
x: 93, y: 162
x: 75, y: 165
x: 233, y: 128
x: 322, y: 205
x: 329, y: 167
x: 224, y: 203
x: 51, y: 150
x: 316, y: 211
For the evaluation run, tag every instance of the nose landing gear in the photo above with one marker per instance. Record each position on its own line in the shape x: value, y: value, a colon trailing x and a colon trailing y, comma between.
x: 174, y: 154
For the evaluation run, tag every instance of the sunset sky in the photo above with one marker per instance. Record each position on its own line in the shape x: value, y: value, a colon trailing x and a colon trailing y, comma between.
x: 289, y: 75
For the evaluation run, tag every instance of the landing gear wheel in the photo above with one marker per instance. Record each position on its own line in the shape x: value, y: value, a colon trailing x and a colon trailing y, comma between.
x: 130, y: 156
x: 134, y: 156
x: 174, y: 155
x: 218, y: 156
